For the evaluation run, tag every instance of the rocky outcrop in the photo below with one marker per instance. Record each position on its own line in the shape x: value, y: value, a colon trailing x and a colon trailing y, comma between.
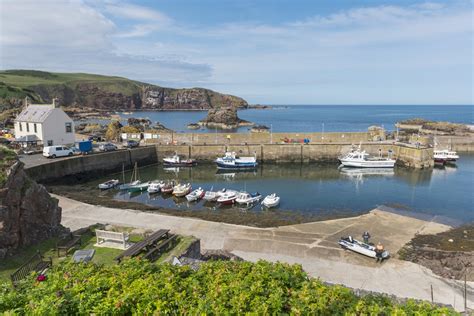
x: 28, y: 214
x: 223, y: 118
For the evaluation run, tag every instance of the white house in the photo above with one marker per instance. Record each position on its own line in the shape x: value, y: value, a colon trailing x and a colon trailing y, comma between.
x: 44, y: 123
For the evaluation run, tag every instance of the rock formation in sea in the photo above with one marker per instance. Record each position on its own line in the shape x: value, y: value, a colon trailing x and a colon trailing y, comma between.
x: 223, y: 118
x: 28, y: 214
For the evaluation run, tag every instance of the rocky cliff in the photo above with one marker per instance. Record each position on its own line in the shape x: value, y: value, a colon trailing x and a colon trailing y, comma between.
x: 224, y: 118
x: 28, y: 214
x: 105, y: 92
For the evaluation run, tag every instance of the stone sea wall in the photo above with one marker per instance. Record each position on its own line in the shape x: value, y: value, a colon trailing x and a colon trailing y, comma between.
x: 104, y: 163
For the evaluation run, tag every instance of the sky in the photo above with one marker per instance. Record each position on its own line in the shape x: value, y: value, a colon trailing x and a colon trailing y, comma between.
x: 268, y: 52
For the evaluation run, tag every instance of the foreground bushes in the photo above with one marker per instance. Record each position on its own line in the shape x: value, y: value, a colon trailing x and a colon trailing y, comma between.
x: 221, y: 287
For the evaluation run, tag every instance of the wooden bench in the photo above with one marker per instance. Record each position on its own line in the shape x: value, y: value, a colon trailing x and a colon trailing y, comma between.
x: 160, y: 248
x: 104, y: 235
x: 35, y: 264
x: 144, y: 245
x: 68, y: 243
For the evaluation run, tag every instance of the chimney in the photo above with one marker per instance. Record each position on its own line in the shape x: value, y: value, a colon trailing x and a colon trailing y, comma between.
x: 25, y: 102
x: 54, y: 102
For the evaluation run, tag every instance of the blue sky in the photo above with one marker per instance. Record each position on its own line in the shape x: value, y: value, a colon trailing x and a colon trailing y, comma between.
x: 271, y: 52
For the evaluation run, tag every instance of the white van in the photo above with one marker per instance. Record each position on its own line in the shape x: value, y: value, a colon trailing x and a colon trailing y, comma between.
x: 57, y: 151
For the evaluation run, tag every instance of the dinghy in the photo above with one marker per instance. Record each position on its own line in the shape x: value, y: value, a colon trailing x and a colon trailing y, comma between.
x: 228, y: 197
x: 195, y: 195
x: 155, y: 186
x: 167, y: 188
x: 109, y: 184
x: 271, y: 200
x: 181, y: 189
x: 247, y: 198
x: 360, y: 247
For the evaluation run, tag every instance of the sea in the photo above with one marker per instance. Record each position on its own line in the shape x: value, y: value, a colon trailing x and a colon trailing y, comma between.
x: 317, y: 118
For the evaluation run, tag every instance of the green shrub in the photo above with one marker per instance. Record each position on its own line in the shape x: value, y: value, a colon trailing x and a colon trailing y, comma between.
x: 218, y: 288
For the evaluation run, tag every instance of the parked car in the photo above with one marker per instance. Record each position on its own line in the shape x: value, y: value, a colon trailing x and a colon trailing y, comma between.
x: 131, y: 144
x: 95, y: 138
x: 57, y: 151
x: 107, y: 147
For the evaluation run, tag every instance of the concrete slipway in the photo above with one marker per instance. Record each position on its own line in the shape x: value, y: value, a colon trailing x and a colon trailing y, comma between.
x: 313, y: 245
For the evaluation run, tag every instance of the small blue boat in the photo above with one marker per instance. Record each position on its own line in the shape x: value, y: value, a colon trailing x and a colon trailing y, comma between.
x: 231, y: 161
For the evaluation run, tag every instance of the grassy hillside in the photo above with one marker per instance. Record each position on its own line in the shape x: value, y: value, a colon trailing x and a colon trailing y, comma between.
x: 103, y: 92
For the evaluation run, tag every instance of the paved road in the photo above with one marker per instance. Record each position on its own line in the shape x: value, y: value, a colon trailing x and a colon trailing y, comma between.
x: 313, y: 245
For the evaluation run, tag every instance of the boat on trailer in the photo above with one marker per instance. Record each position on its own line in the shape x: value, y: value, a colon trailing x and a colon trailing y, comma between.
x: 352, y: 244
x: 360, y: 159
x: 109, y: 184
x: 232, y: 161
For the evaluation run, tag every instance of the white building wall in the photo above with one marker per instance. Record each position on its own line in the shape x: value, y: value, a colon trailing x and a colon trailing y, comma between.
x: 54, y: 128
x: 24, y: 130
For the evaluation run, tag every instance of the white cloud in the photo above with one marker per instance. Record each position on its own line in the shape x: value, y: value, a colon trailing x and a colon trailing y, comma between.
x: 75, y: 36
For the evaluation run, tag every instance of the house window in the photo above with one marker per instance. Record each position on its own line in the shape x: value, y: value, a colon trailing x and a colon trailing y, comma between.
x: 50, y: 143
x: 21, y: 127
x: 27, y: 127
x: 34, y: 127
x: 68, y: 127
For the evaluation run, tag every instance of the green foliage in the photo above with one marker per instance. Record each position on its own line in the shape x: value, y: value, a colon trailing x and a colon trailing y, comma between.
x: 7, y: 159
x: 221, y: 287
x: 113, y: 130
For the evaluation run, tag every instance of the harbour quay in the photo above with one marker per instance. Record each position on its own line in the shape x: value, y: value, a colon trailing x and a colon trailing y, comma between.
x: 327, y: 147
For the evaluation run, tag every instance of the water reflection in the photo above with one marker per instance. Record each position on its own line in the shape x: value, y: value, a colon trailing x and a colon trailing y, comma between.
x: 316, y: 188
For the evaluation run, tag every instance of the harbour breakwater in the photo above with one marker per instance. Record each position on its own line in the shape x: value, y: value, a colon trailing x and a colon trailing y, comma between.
x: 104, y: 163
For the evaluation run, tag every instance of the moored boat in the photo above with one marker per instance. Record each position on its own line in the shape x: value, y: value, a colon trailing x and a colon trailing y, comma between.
x: 248, y: 198
x: 360, y: 159
x: 109, y: 184
x: 195, y: 195
x: 181, y: 189
x: 445, y: 155
x: 176, y: 161
x: 155, y: 186
x: 167, y: 187
x: 228, y: 197
x: 361, y: 247
x: 271, y: 200
x: 232, y: 161
x: 139, y: 187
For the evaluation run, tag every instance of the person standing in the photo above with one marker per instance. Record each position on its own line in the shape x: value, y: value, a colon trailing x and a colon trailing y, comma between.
x: 379, y: 252
x: 366, y: 237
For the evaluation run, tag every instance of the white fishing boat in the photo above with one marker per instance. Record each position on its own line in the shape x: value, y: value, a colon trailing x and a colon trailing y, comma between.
x: 232, y: 161
x: 360, y: 247
x: 271, y: 200
x: 445, y: 155
x: 195, y: 195
x: 248, y: 198
x: 228, y: 197
x: 181, y: 189
x: 155, y: 186
x: 109, y: 184
x: 176, y: 161
x: 360, y: 159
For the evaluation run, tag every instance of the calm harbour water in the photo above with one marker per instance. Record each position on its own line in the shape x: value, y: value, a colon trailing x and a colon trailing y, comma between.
x: 315, y: 118
x: 322, y: 189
